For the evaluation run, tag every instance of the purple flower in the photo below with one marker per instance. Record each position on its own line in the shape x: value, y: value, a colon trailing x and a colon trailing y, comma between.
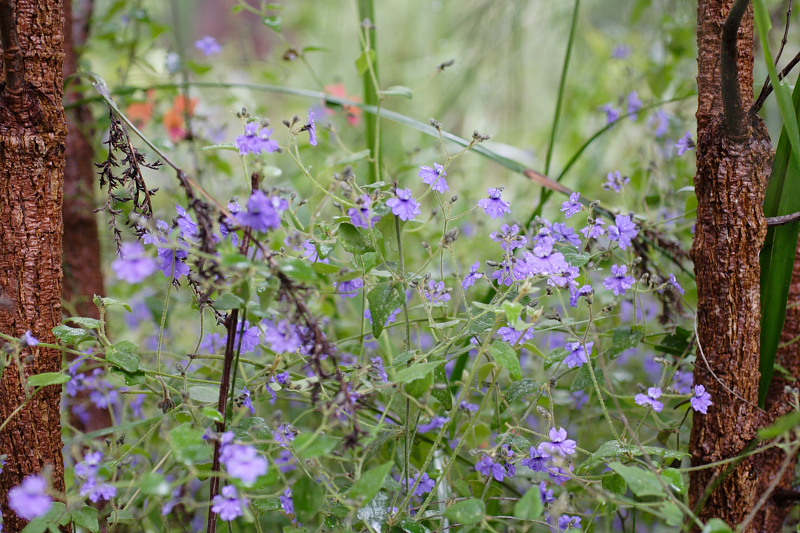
x: 547, y: 494
x: 426, y: 484
x: 544, y: 260
x: 619, y: 282
x: 472, y: 277
x: 435, y: 177
x: 286, y: 461
x: 578, y: 354
x: 256, y: 140
x: 612, y: 113
x: 438, y: 422
x: 30, y: 498
x: 624, y: 231
x: 187, y: 226
x: 581, y: 398
x: 615, y: 181
x: 701, y: 399
x: 577, y: 293
x: 227, y: 504
x: 282, y: 337
x: 404, y: 206
x: 133, y: 266
x: 470, y: 407
x: 349, y: 289
x: 573, y: 205
x: 634, y: 105
x: 287, y: 503
x: 537, y: 459
x: 661, y: 121
x: 563, y: 233
x: 682, y: 382
x: 173, y: 262
x: 29, y: 340
x: 509, y: 238
x: 97, y: 490
x: 487, y: 467
x: 378, y: 368
x: 566, y: 522
x: 494, y: 206
x: 621, y: 51
x: 90, y: 465
x: 559, y: 443
x: 594, y: 229
x: 674, y: 282
x: 243, y: 462
x: 514, y: 336
x: 311, y: 252
x: 208, y: 45
x: 285, y: 434
x: 651, y: 398
x: 436, y: 292
x: 247, y: 400
x: 263, y: 212
x: 311, y: 128
x: 685, y: 143
x: 361, y: 215
x: 251, y: 336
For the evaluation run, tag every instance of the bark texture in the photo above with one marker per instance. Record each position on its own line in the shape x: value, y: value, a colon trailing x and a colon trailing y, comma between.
x: 32, y: 137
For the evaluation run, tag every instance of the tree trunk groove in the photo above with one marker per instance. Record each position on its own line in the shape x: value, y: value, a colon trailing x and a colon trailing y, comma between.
x: 32, y: 137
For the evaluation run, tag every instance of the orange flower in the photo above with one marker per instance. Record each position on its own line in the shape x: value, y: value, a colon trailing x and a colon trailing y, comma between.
x: 353, y: 112
x: 173, y: 118
x: 141, y: 113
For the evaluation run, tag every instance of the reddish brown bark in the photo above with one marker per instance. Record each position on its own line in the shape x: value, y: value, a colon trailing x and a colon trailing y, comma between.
x: 32, y: 136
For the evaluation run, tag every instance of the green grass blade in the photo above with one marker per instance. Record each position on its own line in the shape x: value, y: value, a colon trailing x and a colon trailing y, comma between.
x: 778, y: 255
x: 366, y: 11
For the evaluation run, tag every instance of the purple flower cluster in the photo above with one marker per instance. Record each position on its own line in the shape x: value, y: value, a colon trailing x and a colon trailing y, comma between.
x: 651, y: 398
x: 30, y: 499
x: 208, y: 45
x: 436, y: 292
x: 94, y: 486
x: 263, y: 212
x: 619, y: 281
x: 472, y: 277
x: 623, y: 231
x: 242, y: 461
x: 685, y: 144
x: 228, y: 505
x: 701, y: 399
x: 256, y: 140
x: 133, y: 265
x: 559, y: 443
x: 426, y: 484
x: 579, y: 353
x: 494, y: 205
x: 509, y: 238
x: 404, y: 206
x: 615, y: 181
x: 573, y: 205
x: 361, y: 215
x: 435, y: 177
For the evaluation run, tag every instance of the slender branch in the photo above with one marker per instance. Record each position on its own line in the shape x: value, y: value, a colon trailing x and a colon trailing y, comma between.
x: 734, y: 116
x: 781, y: 220
x: 13, y: 64
x: 767, y: 90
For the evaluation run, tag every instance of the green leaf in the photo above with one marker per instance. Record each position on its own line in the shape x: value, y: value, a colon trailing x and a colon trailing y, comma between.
x: 519, y: 389
x: 273, y: 22
x: 506, y: 357
x: 370, y: 482
x: 673, y: 515
x: 409, y: 526
x: 529, y: 507
x: 364, y: 60
x: 441, y: 389
x: 123, y: 355
x: 777, y: 256
x: 675, y: 344
x: 204, y: 393
x: 615, y: 484
x: 574, y: 257
x: 642, y: 482
x: 782, y: 425
x: 398, y: 90
x: 613, y: 449
x: 91, y: 323
x: 420, y: 387
x: 51, y: 518
x: 70, y: 335
x: 131, y: 378
x: 469, y: 511
x: 86, y: 517
x: 121, y: 516
x: 383, y: 301
x: 482, y: 319
x: 308, y: 496
x: 583, y: 380
x: 298, y: 269
x: 188, y: 445
x: 308, y: 445
x: 109, y: 302
x: 228, y: 301
x: 416, y: 371
x: 674, y: 479
x: 715, y: 525
x: 155, y: 484
x: 212, y: 413
x: 624, y: 338
x: 48, y: 378
x: 352, y: 240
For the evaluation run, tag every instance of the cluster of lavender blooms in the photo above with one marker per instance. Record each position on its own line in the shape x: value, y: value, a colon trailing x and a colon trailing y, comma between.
x: 527, y: 255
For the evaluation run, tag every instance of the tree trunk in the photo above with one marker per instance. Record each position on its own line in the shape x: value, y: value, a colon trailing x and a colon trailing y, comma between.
x: 32, y: 136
